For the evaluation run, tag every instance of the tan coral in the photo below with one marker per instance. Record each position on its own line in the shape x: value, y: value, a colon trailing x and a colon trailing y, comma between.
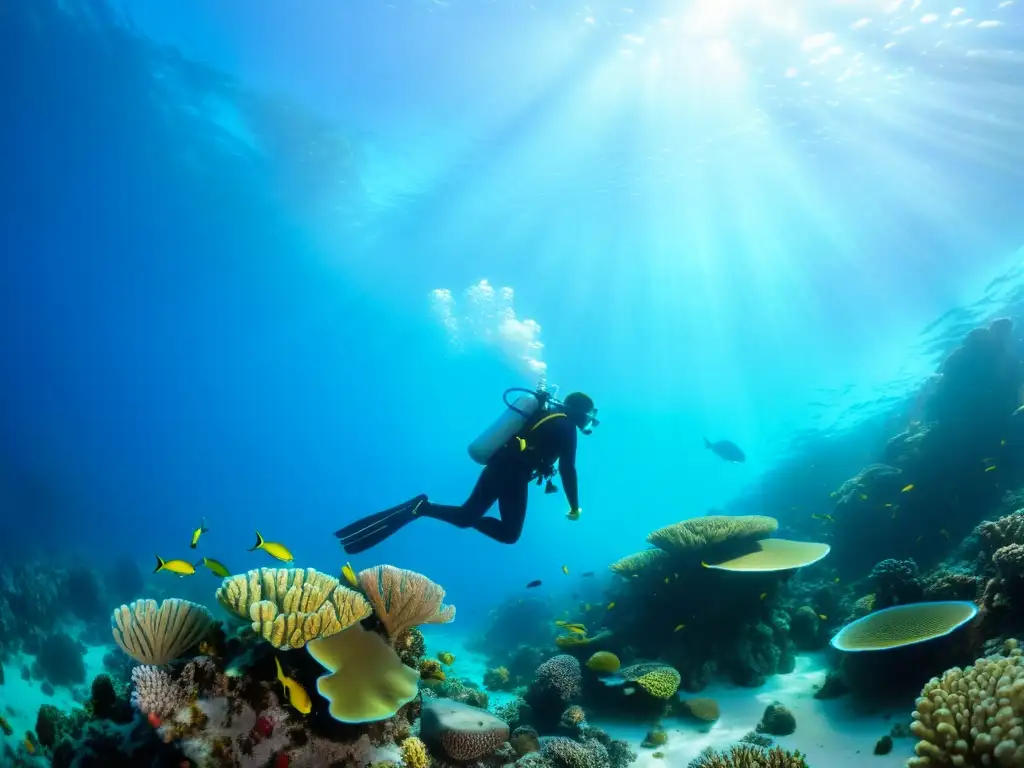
x: 288, y: 607
x: 972, y: 716
x: 691, y: 536
x: 638, y: 562
x: 403, y: 599
x: 414, y: 753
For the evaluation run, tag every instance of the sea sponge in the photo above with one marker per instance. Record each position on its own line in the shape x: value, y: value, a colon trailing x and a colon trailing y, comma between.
x: 289, y: 607
x: 403, y: 599
x: 903, y: 625
x: 604, y: 662
x: 414, y: 753
x: 430, y: 669
x: 691, y: 536
x: 972, y: 716
x: 367, y: 680
x: 632, y: 565
x: 659, y: 680
x: 411, y: 647
x: 156, y: 635
x: 775, y: 555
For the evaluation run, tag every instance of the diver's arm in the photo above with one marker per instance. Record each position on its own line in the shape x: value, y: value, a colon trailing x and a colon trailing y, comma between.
x: 567, y: 470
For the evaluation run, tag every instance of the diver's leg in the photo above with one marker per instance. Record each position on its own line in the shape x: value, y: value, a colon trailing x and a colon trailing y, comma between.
x: 512, y: 509
x: 387, y: 522
x: 481, y: 499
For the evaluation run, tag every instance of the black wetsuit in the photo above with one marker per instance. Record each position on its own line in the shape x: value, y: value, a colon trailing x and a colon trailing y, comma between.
x: 505, y: 479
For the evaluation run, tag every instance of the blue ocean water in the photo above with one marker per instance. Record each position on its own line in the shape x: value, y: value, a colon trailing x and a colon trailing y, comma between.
x: 272, y: 266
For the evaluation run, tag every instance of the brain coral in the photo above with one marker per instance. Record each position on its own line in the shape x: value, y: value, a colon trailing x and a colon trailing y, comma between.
x: 690, y: 536
x: 465, y: 733
x: 973, y: 716
x: 562, y: 674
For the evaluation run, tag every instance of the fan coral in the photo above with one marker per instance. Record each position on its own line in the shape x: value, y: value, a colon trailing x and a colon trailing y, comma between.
x: 972, y: 716
x: 562, y: 674
x: 289, y: 607
x: 153, y: 635
x: 749, y: 756
x: 691, y: 536
x: 403, y: 599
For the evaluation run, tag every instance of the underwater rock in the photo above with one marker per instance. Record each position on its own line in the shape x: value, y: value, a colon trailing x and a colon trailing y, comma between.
x: 81, y: 591
x: 777, y: 720
x: 105, y: 704
x: 704, y: 710
x: 883, y: 746
x: 525, y: 740
x: 833, y: 687
x: 656, y: 737
x: 61, y: 659
x: 464, y: 732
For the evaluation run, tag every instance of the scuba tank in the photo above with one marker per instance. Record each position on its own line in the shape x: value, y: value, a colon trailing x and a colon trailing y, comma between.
x: 508, y: 425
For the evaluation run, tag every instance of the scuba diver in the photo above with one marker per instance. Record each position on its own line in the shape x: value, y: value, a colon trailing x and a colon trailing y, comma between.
x: 522, y: 446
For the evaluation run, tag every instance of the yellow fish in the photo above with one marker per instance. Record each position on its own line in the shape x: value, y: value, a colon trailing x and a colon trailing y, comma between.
x: 666, y: 579
x: 29, y: 746
x: 216, y: 566
x: 198, y: 532
x: 989, y: 469
x: 836, y: 579
x: 272, y: 548
x: 587, y: 607
x: 823, y: 617
x: 560, y: 623
x: 180, y: 567
x: 906, y: 488
x: 763, y: 595
x: 611, y: 605
x: 576, y: 629
x: 349, y: 574
x: 446, y: 658
x: 565, y: 569
x: 863, y: 497
x: 704, y: 565
x: 887, y: 504
x: 294, y: 691
x: 678, y: 627
x: 826, y: 518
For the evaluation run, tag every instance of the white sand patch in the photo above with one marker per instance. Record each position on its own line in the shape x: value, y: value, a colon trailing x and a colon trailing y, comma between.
x: 827, y: 732
x: 20, y: 699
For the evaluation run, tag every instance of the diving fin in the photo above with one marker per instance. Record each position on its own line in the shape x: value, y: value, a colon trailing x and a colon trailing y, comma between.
x: 365, y: 533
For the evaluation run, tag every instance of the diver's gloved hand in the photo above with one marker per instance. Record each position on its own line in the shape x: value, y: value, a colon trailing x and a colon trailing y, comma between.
x: 574, y: 514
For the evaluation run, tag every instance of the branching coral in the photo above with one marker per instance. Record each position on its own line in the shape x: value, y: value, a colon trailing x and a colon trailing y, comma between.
x: 153, y: 635
x: 289, y: 607
x: 749, y: 756
x: 690, y: 536
x: 403, y: 599
x: 158, y: 692
x: 972, y: 716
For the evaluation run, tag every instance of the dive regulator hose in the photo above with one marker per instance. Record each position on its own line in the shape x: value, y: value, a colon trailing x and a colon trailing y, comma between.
x: 542, y: 399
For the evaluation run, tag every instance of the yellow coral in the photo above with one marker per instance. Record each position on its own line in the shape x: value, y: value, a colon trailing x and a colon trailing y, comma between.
x: 775, y: 555
x: 703, y: 709
x: 631, y: 565
x: 289, y: 607
x: 604, y: 662
x: 903, y: 625
x: 572, y: 641
x: 691, y: 536
x: 414, y: 753
x: 500, y: 674
x: 367, y: 680
x: 430, y: 669
x: 659, y: 680
x: 972, y: 716
x: 403, y: 599
x: 153, y: 635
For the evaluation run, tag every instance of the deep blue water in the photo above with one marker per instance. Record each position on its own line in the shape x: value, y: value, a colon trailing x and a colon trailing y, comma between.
x: 223, y: 225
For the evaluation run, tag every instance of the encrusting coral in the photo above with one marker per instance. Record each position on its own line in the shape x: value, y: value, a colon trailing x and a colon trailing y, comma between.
x: 403, y: 599
x: 289, y: 607
x: 973, y: 716
x: 659, y: 680
x: 156, y: 635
